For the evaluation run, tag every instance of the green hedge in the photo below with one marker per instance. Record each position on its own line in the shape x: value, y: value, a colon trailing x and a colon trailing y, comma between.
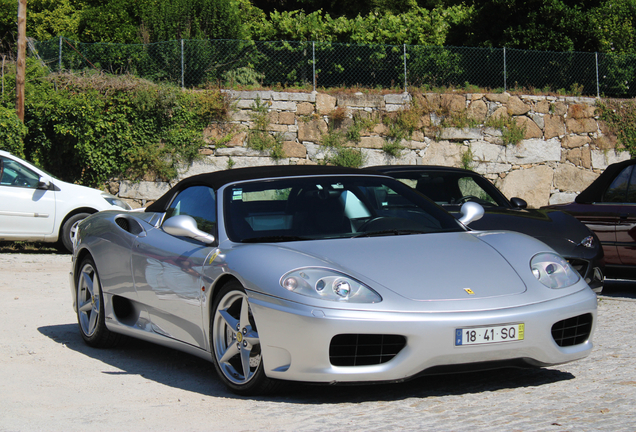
x: 12, y: 132
x: 92, y: 127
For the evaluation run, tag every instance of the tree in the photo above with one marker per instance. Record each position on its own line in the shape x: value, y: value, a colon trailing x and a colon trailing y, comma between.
x: 418, y: 26
x: 8, y: 26
x: 191, y: 19
x: 52, y: 18
x: 550, y: 25
x: 612, y: 24
x: 116, y: 21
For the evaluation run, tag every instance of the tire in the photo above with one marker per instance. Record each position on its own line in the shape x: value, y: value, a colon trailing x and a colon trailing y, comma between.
x: 68, y: 230
x: 235, y: 343
x: 90, y: 308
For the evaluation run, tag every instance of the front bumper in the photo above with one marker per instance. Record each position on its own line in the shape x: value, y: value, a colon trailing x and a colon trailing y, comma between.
x: 295, y: 338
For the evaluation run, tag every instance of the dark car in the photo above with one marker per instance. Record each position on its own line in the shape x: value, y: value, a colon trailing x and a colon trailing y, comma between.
x: 451, y: 187
x: 608, y: 207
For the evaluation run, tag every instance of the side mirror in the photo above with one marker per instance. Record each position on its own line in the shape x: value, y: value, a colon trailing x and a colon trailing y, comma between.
x: 518, y: 203
x: 44, y: 183
x: 471, y: 211
x: 186, y: 226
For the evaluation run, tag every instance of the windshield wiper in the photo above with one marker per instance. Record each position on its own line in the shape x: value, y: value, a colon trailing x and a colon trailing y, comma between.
x: 273, y: 239
x: 388, y: 232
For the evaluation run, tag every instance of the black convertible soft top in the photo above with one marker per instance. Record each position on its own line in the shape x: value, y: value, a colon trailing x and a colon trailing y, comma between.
x: 220, y: 178
x: 595, y: 191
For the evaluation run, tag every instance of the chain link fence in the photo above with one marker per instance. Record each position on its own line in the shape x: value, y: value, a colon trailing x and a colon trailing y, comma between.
x: 196, y: 63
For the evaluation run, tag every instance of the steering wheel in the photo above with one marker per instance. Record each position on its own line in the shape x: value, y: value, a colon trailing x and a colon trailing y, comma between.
x: 365, y: 226
x: 467, y: 198
x: 20, y: 181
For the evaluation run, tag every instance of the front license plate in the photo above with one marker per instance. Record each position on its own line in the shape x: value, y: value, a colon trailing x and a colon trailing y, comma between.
x: 487, y: 335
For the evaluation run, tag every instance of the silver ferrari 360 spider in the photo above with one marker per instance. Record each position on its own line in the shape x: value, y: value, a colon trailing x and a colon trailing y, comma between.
x: 324, y: 275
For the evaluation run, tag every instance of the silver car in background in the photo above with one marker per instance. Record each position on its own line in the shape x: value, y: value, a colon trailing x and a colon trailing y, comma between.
x: 324, y: 275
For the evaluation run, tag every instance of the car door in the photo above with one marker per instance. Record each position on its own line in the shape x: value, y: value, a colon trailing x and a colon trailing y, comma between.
x: 25, y: 210
x: 610, y: 218
x: 626, y: 223
x: 168, y: 270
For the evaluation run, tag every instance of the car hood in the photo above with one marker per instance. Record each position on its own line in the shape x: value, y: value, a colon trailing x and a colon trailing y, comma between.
x: 69, y: 196
x: 429, y: 267
x: 559, y: 230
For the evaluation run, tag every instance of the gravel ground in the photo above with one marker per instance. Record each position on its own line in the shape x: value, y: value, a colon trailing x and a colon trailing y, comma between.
x: 50, y: 380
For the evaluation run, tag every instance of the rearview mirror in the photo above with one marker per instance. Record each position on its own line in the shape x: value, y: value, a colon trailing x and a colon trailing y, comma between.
x: 518, y: 203
x: 471, y: 211
x: 186, y: 226
x: 44, y: 183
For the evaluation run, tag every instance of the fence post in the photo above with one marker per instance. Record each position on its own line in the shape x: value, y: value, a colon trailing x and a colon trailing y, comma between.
x: 182, y: 68
x: 598, y: 93
x: 313, y: 62
x: 60, y: 56
x: 405, y: 82
x: 504, y: 59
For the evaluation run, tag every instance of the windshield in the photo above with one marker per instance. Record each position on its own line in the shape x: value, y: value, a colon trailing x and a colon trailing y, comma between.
x: 452, y: 188
x: 305, y: 208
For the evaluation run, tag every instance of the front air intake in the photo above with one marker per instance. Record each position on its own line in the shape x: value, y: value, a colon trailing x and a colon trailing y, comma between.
x: 364, y: 349
x: 572, y: 331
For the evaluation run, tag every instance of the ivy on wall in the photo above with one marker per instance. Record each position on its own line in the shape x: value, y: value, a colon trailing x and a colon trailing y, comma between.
x: 92, y: 127
x: 620, y: 116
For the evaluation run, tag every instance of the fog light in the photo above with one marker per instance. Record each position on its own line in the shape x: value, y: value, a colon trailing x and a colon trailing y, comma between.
x: 290, y: 283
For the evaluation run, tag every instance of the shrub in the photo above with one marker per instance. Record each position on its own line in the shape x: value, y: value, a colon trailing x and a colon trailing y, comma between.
x: 12, y: 132
x: 258, y: 138
x: 620, y: 117
x: 393, y: 148
x: 91, y: 127
x: 346, y: 157
x: 511, y: 132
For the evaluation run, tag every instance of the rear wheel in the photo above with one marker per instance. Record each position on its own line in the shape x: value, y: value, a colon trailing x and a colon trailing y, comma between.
x: 236, y: 347
x: 69, y: 229
x: 90, y: 308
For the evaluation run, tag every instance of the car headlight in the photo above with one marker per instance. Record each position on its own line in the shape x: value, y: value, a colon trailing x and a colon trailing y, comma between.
x: 587, y: 242
x: 328, y: 285
x: 553, y: 271
x: 113, y: 200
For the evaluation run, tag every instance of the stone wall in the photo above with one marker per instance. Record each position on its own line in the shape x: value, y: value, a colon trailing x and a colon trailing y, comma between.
x: 565, y: 146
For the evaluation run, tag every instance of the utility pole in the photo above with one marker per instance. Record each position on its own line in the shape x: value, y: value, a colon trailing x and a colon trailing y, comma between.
x: 21, y: 62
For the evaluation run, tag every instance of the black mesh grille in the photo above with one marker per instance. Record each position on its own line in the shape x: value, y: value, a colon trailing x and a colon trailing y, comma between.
x: 123, y: 223
x: 364, y: 349
x: 572, y: 331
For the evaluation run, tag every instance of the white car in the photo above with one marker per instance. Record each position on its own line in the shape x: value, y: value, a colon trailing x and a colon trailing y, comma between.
x: 35, y: 206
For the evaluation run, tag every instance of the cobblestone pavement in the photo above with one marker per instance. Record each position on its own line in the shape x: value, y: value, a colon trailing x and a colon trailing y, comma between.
x: 50, y: 380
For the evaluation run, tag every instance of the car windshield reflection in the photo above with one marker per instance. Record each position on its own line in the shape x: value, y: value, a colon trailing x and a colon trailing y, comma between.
x: 296, y: 209
x: 452, y: 188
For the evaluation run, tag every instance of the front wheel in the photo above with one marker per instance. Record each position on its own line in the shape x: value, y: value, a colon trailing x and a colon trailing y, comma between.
x: 69, y: 230
x: 236, y: 347
x: 90, y: 308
